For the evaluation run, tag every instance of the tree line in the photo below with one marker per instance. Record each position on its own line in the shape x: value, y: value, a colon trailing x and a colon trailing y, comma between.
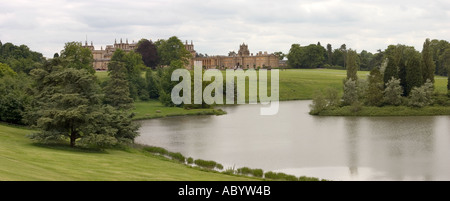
x: 317, y: 56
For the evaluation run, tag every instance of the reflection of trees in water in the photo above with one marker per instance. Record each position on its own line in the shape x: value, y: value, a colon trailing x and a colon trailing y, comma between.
x: 352, y: 128
x: 402, y: 145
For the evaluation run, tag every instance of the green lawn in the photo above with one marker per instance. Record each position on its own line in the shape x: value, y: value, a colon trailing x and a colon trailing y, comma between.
x: 20, y: 159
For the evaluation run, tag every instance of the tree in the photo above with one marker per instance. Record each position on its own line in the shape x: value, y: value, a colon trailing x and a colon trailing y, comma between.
x: 134, y: 65
x: 280, y: 55
x: 319, y: 103
x: 5, y: 70
x: 445, y: 61
x: 65, y: 103
x: 338, y: 58
x: 391, y: 70
x: 438, y: 48
x: 20, y: 58
x: 13, y: 97
x: 414, y: 76
x: 172, y: 49
x: 350, y: 92
x: 75, y: 56
x: 374, y: 95
x: 149, y: 53
x: 294, y: 56
x: 68, y: 106
x: 152, y: 86
x: 422, y: 96
x: 343, y: 49
x: 365, y: 59
x: 323, y: 100
x: 392, y: 94
x: 329, y: 54
x: 428, y: 65
x: 165, y: 83
x: 352, y: 66
x: 311, y: 56
x: 117, y: 92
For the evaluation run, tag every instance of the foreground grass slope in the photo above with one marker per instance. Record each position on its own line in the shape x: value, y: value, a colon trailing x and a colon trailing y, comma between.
x: 20, y: 159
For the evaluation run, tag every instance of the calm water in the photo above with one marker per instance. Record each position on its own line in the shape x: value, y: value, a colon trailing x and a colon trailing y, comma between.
x: 337, y: 148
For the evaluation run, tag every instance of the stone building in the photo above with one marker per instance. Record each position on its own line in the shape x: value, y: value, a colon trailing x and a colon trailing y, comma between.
x: 243, y: 59
x: 103, y: 56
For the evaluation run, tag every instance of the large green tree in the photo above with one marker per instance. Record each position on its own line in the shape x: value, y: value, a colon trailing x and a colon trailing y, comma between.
x: 134, y: 66
x: 414, y: 76
x: 294, y: 56
x: 311, y: 56
x: 352, y: 65
x: 329, y: 54
x: 13, y: 97
x: 438, y: 48
x: 374, y: 95
x: 172, y: 49
x: 428, y: 65
x: 68, y: 107
x: 117, y: 91
x: 147, y: 49
x: 75, y: 56
x: 20, y: 58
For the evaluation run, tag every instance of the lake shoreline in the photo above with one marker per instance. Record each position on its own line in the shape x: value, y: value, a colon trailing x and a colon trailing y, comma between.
x: 386, y: 111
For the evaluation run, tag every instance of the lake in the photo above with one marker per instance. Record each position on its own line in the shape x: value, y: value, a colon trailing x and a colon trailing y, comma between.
x: 294, y: 142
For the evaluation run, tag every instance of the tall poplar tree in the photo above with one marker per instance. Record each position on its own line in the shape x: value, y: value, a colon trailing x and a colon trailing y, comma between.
x: 414, y: 76
x: 428, y: 65
x: 352, y: 65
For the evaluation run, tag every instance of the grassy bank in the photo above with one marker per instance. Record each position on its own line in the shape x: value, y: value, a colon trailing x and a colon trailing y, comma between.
x: 387, y: 111
x: 21, y: 159
x: 154, y: 109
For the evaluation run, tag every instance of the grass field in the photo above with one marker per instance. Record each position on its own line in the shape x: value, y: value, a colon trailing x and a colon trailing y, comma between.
x: 20, y: 159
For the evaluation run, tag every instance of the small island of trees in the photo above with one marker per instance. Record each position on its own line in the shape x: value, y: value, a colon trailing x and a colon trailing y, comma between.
x: 405, y: 78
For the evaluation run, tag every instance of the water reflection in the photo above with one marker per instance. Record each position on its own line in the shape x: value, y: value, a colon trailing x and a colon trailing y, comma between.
x: 340, y: 148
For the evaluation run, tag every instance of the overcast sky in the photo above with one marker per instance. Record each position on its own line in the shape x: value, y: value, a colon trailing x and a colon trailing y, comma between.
x: 217, y: 27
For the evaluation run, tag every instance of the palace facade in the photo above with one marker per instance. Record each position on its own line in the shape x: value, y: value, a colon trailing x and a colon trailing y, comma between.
x: 242, y: 59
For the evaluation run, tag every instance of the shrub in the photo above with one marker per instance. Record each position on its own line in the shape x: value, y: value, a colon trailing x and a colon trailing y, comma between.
x: 318, y: 103
x: 190, y: 160
x: 392, y: 94
x: 177, y: 156
x: 219, y: 166
x: 205, y: 164
x: 350, y: 92
x: 156, y: 150
x: 280, y: 176
x: 244, y: 171
x: 229, y: 171
x: 421, y: 96
x: 251, y: 172
x: 258, y: 172
x: 305, y: 178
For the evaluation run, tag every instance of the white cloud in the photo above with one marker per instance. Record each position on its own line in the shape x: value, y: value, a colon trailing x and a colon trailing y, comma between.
x: 217, y: 27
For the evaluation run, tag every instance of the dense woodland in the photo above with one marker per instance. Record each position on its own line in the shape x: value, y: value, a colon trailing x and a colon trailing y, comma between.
x: 318, y: 56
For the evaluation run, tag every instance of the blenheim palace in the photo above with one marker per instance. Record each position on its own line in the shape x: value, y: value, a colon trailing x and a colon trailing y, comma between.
x: 242, y: 59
